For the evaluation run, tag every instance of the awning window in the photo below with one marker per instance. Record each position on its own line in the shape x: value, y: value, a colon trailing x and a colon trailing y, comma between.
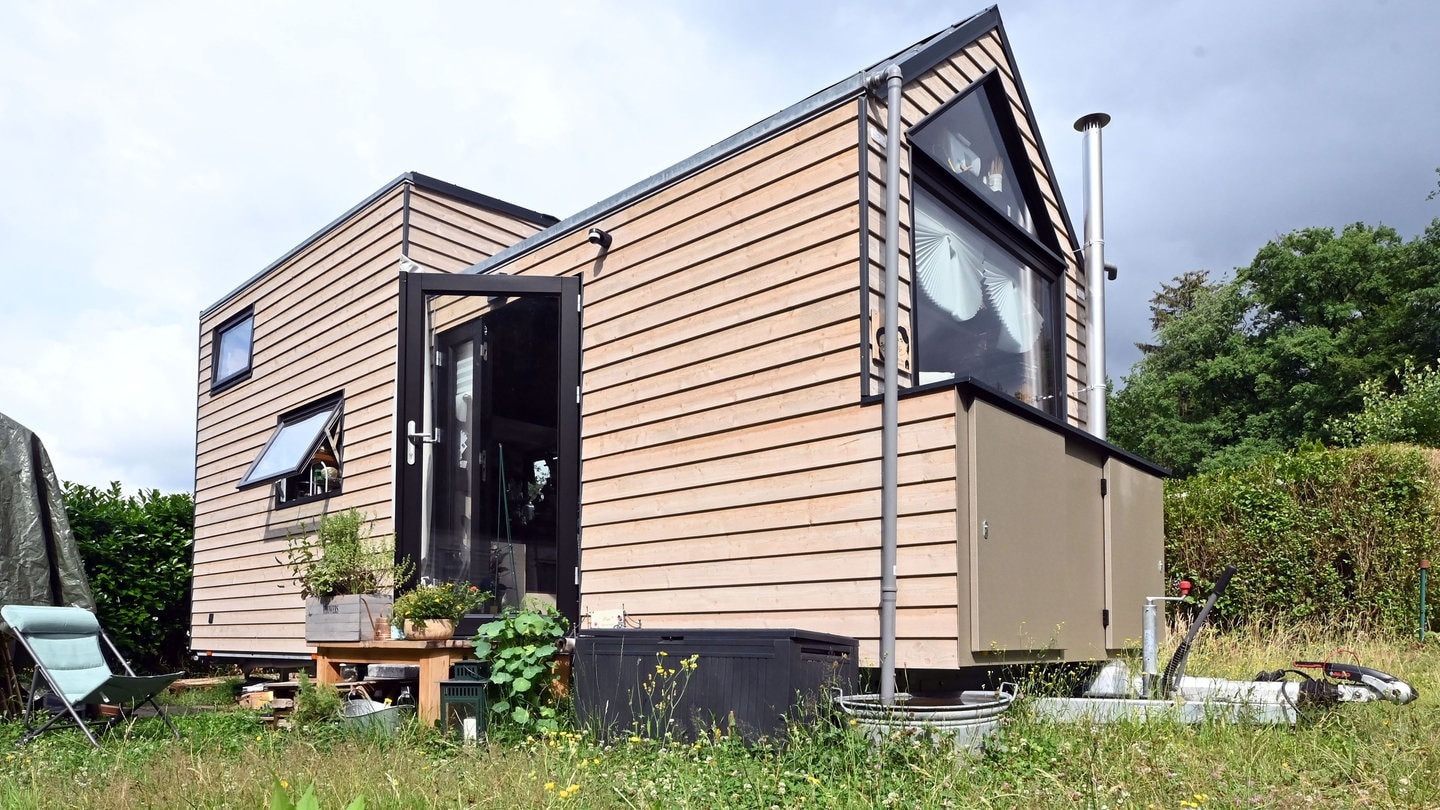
x: 297, y: 441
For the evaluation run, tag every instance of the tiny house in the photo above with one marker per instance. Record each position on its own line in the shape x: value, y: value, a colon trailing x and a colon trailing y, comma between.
x: 666, y: 408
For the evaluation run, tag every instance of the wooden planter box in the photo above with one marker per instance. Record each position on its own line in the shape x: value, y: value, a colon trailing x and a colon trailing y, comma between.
x: 344, y: 618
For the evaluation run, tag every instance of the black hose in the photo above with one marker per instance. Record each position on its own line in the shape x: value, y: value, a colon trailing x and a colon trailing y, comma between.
x: 1175, y: 670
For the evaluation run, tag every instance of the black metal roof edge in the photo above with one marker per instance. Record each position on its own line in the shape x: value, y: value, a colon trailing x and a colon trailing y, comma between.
x: 413, y: 178
x: 922, y: 56
x: 425, y: 181
x: 791, y: 116
x: 1040, y: 142
x: 972, y: 389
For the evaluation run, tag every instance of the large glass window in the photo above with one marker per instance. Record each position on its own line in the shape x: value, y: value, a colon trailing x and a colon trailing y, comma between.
x: 302, y: 457
x: 981, y: 312
x: 231, y: 351
x: 986, y: 280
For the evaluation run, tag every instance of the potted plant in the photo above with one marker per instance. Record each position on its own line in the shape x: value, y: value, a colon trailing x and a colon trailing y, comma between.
x: 346, y: 577
x: 431, y: 610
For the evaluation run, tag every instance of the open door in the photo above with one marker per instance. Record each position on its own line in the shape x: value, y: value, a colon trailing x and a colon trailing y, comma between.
x: 488, y: 451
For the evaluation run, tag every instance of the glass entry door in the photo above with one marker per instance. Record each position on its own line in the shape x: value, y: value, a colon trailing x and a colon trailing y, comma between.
x: 488, y: 456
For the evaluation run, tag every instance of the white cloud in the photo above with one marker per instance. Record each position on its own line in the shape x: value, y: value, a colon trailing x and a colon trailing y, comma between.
x: 158, y: 154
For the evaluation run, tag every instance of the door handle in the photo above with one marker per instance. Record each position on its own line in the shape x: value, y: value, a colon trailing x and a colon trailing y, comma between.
x: 411, y: 434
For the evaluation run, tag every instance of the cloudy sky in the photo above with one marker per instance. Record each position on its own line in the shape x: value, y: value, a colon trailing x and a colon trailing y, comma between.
x: 159, y: 154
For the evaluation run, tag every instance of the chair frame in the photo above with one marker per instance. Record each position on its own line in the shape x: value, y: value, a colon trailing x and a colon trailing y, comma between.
x: 127, y: 691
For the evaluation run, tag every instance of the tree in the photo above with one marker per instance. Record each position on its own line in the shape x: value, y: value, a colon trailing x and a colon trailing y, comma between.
x: 1268, y: 360
x: 1408, y: 416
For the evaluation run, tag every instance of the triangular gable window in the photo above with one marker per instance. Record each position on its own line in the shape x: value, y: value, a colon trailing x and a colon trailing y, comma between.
x: 303, y: 453
x: 975, y: 141
x: 984, y: 254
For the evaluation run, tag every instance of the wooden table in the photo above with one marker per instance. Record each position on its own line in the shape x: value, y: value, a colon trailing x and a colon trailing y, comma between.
x: 434, y: 658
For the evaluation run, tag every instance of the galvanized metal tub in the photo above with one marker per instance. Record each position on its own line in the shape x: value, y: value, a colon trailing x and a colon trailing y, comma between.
x: 965, y: 721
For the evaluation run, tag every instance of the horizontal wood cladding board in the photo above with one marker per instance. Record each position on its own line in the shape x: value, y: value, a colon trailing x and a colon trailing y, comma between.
x: 729, y: 221
x: 929, y: 496
x: 281, y: 637
x: 819, y: 350
x: 627, y: 225
x: 928, y: 560
x: 229, y: 537
x: 446, y: 225
x: 914, y: 529
x: 773, y: 315
x: 285, y: 610
x: 817, y: 454
x: 250, y: 508
x: 774, y: 489
x: 725, y: 282
x: 842, y: 420
x: 843, y: 594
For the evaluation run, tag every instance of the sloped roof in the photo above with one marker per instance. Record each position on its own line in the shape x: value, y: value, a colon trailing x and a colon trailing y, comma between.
x: 912, y: 61
x: 415, y: 179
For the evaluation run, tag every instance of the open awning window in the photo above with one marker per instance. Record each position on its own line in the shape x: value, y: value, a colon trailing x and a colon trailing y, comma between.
x: 297, y: 441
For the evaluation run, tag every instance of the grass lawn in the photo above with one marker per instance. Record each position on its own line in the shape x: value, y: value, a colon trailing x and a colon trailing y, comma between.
x: 1356, y: 755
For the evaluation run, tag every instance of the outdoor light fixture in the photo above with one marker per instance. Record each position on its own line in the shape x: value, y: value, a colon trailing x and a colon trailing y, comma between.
x: 599, y: 237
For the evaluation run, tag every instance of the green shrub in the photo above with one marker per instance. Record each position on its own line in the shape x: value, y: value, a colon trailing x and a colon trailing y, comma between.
x: 1334, y: 536
x: 137, y: 558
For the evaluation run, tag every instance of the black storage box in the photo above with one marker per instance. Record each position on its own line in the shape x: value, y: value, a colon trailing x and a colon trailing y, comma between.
x: 743, y: 682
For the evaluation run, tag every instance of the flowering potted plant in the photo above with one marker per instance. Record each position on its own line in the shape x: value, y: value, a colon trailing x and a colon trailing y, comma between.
x: 431, y: 610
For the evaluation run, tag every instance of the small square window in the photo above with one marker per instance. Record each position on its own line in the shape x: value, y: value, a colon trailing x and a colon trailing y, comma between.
x: 231, y: 351
x: 302, y: 457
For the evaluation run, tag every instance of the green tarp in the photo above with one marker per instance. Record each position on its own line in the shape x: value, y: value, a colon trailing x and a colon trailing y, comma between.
x: 39, y: 562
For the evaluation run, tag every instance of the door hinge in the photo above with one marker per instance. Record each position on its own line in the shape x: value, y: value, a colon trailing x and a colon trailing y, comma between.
x: 577, y: 575
x: 1105, y: 617
x: 439, y: 358
x: 1104, y: 487
x: 579, y: 305
x: 483, y: 349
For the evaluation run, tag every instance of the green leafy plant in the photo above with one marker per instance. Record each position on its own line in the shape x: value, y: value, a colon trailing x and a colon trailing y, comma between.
x: 520, y: 647
x: 314, y: 704
x: 137, y: 558
x: 343, y: 558
x: 447, y: 601
x: 1319, y: 536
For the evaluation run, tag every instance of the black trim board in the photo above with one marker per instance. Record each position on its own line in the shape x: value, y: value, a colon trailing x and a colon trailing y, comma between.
x: 407, y: 179
x: 971, y: 389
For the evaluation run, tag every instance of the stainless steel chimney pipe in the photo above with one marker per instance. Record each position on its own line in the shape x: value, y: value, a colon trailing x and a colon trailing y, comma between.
x: 1094, y: 250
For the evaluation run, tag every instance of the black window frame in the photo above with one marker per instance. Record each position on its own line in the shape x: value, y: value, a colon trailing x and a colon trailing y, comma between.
x: 327, y: 438
x: 218, y: 383
x: 1037, y: 251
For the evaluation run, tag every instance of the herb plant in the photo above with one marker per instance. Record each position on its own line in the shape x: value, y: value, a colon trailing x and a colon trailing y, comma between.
x: 448, y: 601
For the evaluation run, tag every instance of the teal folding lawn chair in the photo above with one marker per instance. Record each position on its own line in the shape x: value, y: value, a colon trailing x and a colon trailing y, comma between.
x: 64, y: 643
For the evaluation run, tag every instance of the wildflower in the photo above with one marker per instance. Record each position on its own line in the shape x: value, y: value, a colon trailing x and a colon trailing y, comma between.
x: 284, y: 784
x: 549, y: 785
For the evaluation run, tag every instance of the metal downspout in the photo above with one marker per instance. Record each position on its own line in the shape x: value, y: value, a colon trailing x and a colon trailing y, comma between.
x: 1090, y: 125
x: 893, y: 79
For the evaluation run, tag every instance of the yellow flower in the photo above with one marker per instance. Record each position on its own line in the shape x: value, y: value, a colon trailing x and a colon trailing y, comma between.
x: 574, y: 788
x: 284, y: 784
x: 634, y: 739
x: 549, y: 785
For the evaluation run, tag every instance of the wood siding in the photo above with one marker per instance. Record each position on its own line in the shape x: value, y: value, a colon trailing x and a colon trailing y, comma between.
x: 325, y: 321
